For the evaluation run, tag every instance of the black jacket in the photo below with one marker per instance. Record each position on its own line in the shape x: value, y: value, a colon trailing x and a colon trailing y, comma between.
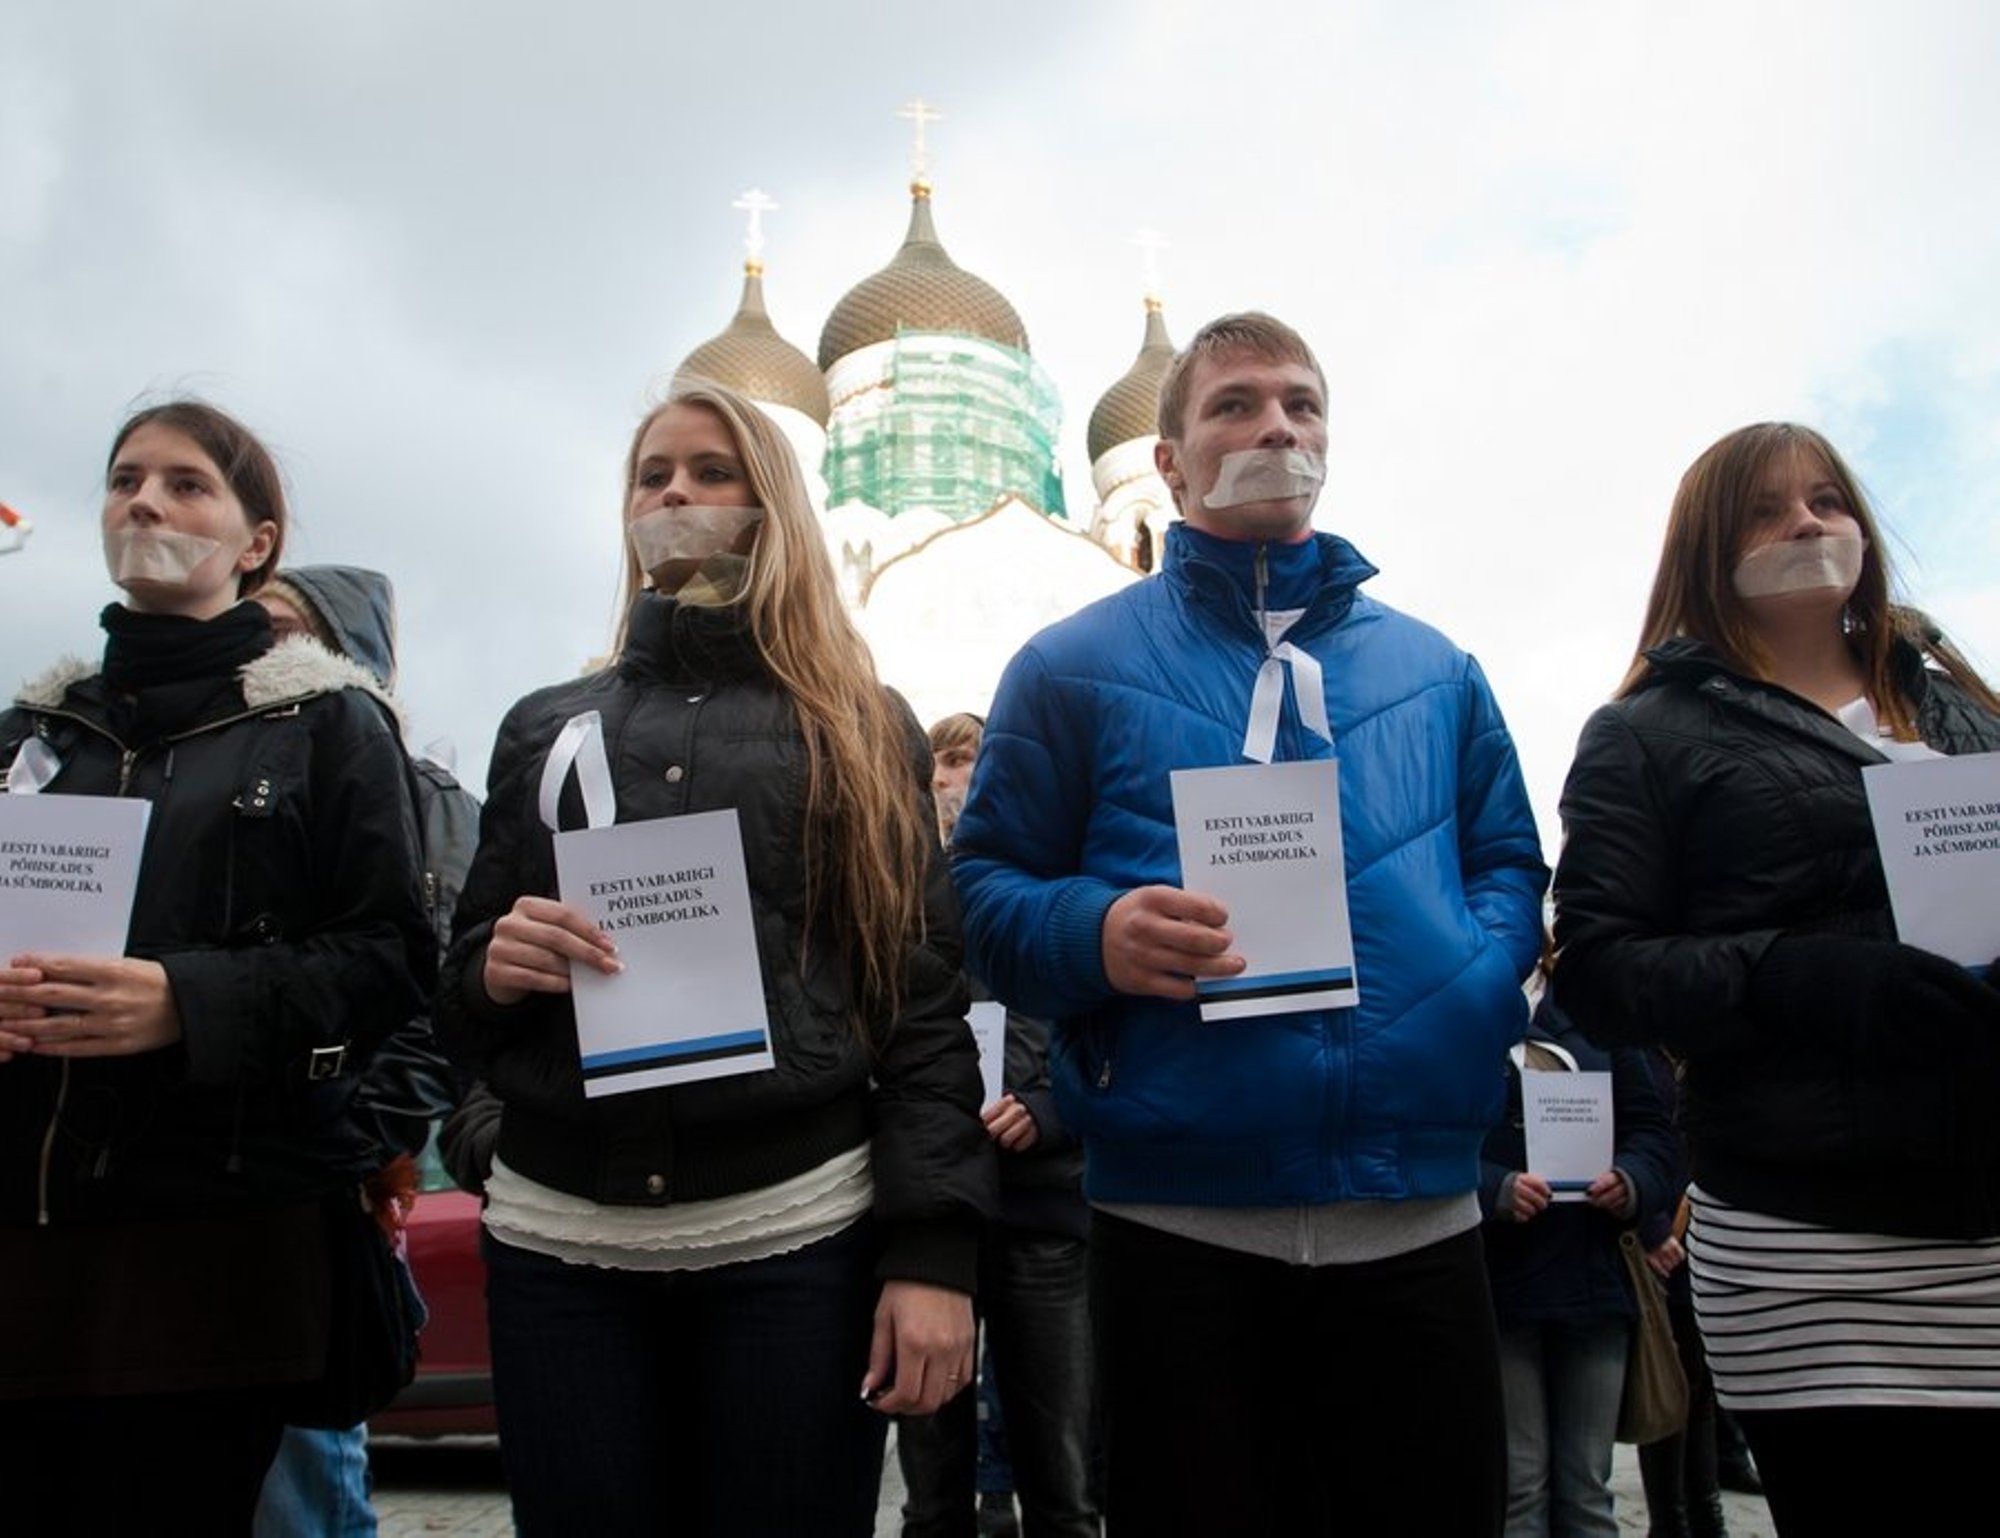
x: 1705, y: 816
x: 692, y: 723
x: 409, y: 1086
x: 1041, y: 1188
x: 280, y: 892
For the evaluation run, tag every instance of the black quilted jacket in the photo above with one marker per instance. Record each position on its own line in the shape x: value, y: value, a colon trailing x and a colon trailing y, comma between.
x: 1705, y: 815
x: 693, y: 723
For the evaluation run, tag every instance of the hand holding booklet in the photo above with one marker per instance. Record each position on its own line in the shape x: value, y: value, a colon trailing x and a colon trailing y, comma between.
x: 674, y: 894
x: 1567, y: 1119
x: 69, y: 867
x: 1937, y: 824
x: 1264, y: 840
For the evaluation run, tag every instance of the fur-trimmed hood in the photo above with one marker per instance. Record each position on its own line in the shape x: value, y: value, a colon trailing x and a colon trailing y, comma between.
x: 294, y: 669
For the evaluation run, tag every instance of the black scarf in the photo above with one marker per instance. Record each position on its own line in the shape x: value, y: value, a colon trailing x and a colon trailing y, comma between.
x: 146, y: 650
x: 166, y: 671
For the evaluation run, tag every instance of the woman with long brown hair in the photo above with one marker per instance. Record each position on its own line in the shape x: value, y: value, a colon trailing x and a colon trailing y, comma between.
x: 1720, y: 893
x: 705, y: 1295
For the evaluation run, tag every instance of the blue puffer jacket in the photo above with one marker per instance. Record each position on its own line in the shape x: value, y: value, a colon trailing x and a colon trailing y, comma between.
x: 1070, y: 807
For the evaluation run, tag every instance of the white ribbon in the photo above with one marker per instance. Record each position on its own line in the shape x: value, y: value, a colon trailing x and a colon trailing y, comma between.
x: 33, y: 767
x: 580, y: 743
x: 1260, y: 738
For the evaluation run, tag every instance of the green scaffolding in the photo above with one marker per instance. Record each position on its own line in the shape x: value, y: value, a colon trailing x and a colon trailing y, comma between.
x: 958, y: 432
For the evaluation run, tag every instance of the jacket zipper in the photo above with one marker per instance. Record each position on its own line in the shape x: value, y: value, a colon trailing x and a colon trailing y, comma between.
x: 49, y: 1146
x: 128, y: 759
x: 1262, y: 570
x: 130, y: 756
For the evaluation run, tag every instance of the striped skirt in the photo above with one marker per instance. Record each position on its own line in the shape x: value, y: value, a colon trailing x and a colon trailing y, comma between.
x: 1795, y: 1316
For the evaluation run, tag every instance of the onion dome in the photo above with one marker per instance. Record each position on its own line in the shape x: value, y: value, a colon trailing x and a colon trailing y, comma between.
x: 751, y: 358
x: 922, y: 289
x: 1131, y: 407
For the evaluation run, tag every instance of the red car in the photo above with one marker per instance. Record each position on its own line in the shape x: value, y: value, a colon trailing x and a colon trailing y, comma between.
x: 453, y: 1391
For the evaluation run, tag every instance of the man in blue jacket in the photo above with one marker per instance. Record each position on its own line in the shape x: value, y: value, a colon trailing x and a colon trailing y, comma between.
x: 1291, y: 1315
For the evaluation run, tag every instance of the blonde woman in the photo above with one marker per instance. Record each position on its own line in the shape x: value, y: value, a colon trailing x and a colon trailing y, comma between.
x: 706, y: 1297
x: 1720, y: 894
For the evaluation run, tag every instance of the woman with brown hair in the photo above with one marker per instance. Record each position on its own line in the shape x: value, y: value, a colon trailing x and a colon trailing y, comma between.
x: 1720, y: 893
x: 177, y: 1161
x: 698, y: 1291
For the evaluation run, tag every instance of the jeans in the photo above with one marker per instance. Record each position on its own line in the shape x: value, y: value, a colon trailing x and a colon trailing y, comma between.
x: 1246, y: 1396
x: 1033, y: 1293
x: 992, y: 1467
x: 722, y: 1401
x: 1562, y: 1380
x: 317, y: 1486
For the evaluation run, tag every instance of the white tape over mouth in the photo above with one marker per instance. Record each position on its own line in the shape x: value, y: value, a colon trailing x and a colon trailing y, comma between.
x: 691, y: 532
x: 1800, y: 565
x: 164, y: 556
x: 1265, y: 475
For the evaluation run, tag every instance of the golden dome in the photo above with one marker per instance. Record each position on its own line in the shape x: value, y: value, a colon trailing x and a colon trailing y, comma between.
x: 1131, y: 407
x: 750, y: 357
x: 921, y: 289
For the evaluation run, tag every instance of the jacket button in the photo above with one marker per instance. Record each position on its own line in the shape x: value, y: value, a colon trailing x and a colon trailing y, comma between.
x: 656, y: 1185
x: 674, y: 773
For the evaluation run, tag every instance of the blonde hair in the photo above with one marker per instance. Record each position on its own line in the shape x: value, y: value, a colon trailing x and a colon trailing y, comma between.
x: 963, y: 730
x: 1694, y: 591
x: 868, y: 835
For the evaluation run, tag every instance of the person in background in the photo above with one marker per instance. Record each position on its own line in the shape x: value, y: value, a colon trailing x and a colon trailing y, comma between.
x: 1721, y: 894
x: 177, y: 1161
x: 954, y: 750
x: 706, y: 1296
x: 1560, y: 1290
x: 1033, y: 1287
x: 1678, y: 1473
x: 318, y: 1485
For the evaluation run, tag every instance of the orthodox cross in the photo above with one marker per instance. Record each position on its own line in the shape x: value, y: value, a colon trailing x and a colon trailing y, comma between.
x: 756, y: 203
x: 1151, y: 243
x: 917, y: 110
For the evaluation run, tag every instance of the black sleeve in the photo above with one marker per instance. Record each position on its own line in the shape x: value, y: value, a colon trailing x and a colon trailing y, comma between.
x: 362, y: 966
x: 1646, y: 1149
x: 1627, y: 971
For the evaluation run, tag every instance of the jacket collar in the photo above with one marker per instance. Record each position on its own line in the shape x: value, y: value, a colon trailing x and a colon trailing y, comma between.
x: 1325, y: 569
x: 1695, y: 665
x: 294, y: 670
x: 688, y: 643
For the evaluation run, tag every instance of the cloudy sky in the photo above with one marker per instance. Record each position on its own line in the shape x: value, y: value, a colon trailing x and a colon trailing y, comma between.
x: 439, y: 252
